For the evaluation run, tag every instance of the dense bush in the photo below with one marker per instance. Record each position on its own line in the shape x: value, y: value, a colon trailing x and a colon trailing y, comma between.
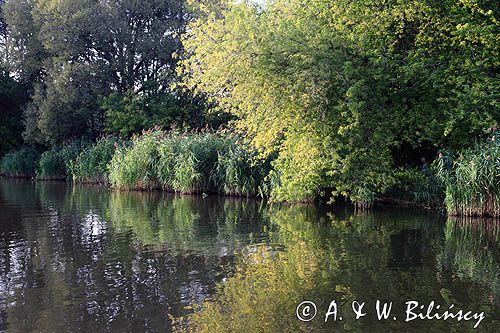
x: 472, y: 181
x: 55, y: 163
x: 21, y: 163
x: 420, y: 186
x: 91, y: 164
x: 186, y: 163
x: 129, y: 113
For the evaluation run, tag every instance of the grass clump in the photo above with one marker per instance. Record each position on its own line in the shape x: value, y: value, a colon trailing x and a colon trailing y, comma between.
x: 91, y: 165
x: 134, y: 166
x: 472, y: 181
x: 55, y: 164
x: 195, y: 162
x: 21, y: 163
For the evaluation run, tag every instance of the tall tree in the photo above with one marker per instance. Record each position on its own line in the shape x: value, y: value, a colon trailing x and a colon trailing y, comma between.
x: 337, y: 88
x: 76, y: 51
x: 12, y: 97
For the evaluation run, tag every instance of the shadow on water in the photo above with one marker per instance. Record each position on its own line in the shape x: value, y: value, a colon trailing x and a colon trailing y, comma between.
x: 86, y: 258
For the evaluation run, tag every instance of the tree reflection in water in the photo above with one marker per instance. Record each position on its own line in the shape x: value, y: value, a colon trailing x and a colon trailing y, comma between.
x: 84, y: 258
x: 388, y: 255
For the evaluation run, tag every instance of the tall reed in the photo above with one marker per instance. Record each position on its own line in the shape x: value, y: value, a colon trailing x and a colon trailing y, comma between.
x: 90, y: 166
x: 21, y: 163
x: 472, y: 181
x: 190, y: 162
x: 56, y: 162
x: 134, y: 165
x: 195, y: 162
x: 237, y: 172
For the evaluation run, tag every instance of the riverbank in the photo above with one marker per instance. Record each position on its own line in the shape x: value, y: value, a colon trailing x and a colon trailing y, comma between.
x: 203, y: 162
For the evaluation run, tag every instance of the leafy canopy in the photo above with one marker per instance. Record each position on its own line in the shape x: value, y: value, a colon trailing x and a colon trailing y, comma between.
x: 336, y: 89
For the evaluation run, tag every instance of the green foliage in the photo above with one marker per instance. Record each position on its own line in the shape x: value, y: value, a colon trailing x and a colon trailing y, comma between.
x: 187, y: 163
x: 21, y: 163
x: 133, y: 166
x: 237, y: 171
x: 129, y: 114
x: 27, y: 52
x: 66, y: 107
x: 195, y: 162
x: 420, y: 186
x: 335, y: 89
x: 51, y: 165
x: 91, y: 165
x: 12, y: 96
x: 75, y: 51
x: 56, y: 162
x: 472, y: 181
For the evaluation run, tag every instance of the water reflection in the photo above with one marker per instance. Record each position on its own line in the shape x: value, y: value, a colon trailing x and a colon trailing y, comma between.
x: 389, y: 255
x: 84, y: 258
x: 471, y: 251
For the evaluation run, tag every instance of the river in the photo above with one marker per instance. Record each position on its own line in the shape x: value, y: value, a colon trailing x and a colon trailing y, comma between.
x: 84, y: 258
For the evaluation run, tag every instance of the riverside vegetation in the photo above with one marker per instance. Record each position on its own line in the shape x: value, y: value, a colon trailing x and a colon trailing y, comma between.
x: 301, y: 100
x: 189, y: 162
x: 218, y: 162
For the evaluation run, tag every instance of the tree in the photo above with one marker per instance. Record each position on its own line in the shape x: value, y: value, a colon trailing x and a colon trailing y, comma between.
x: 336, y: 89
x: 129, y: 114
x: 24, y: 51
x: 75, y: 51
x: 12, y: 97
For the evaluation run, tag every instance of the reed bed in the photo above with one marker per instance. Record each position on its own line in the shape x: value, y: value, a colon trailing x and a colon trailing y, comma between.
x: 55, y: 163
x: 20, y: 164
x: 188, y: 163
x: 472, y: 181
x: 91, y: 165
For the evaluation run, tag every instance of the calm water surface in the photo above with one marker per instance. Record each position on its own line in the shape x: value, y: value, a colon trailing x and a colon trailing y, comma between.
x: 82, y: 258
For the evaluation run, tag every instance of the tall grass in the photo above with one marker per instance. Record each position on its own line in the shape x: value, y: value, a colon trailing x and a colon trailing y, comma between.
x: 237, y: 171
x: 472, y: 181
x: 134, y: 166
x: 196, y: 162
x: 91, y: 165
x: 21, y: 163
x: 56, y: 162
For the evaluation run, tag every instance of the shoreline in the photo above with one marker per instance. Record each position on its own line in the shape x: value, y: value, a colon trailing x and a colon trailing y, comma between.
x: 379, y: 202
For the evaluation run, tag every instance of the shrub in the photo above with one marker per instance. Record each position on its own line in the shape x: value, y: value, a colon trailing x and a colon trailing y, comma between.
x: 420, y: 186
x: 56, y: 162
x: 472, y: 181
x: 91, y: 164
x: 21, y: 163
